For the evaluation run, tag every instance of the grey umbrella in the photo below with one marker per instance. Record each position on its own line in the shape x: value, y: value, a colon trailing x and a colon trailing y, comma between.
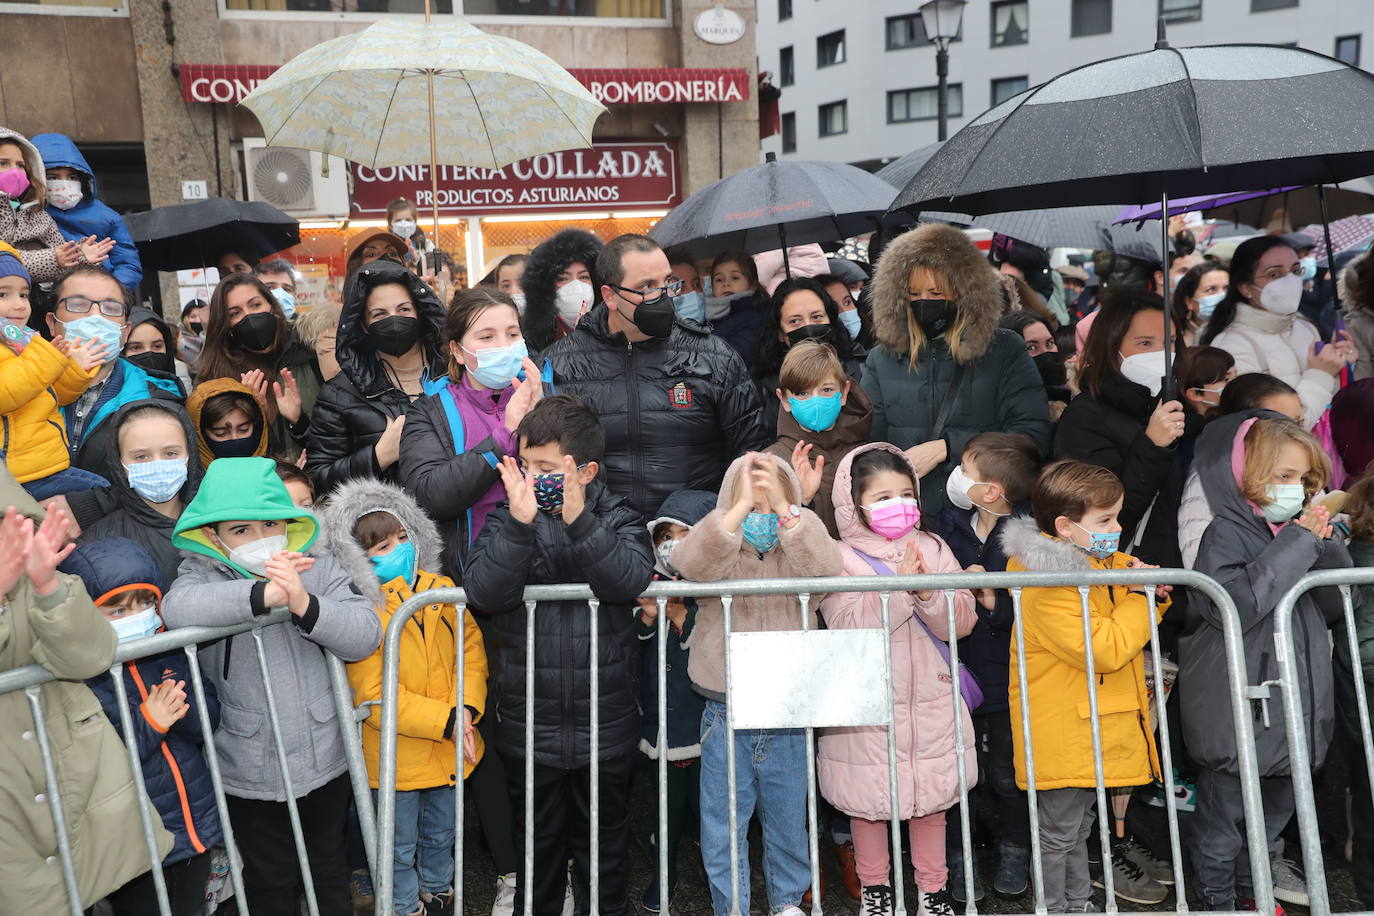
x: 775, y: 205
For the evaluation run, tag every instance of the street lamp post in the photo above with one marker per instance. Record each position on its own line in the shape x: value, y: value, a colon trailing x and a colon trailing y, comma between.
x: 942, y: 20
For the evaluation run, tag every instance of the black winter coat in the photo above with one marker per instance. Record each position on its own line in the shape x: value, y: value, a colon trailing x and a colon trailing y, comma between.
x: 986, y: 649
x: 174, y: 768
x: 1108, y: 430
x: 606, y: 547
x: 676, y: 411
x: 354, y: 406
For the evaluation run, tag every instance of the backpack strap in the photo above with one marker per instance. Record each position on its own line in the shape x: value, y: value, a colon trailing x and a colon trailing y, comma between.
x: 455, y: 426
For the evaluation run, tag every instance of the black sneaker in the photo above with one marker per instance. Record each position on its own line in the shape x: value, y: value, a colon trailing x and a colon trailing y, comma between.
x: 439, y: 904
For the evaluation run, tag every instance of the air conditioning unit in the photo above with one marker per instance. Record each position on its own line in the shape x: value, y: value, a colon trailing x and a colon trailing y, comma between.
x: 290, y: 180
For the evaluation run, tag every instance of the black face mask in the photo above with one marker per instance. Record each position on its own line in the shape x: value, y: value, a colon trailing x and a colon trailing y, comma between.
x: 655, y: 316
x: 159, y: 362
x: 807, y: 332
x: 934, y: 316
x: 236, y: 448
x: 1053, y: 375
x: 394, y: 335
x: 197, y: 328
x: 255, y: 332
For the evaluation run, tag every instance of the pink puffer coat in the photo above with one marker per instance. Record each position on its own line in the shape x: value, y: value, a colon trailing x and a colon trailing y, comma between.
x: 852, y: 762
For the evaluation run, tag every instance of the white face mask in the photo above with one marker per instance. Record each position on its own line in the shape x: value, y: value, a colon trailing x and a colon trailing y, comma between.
x: 1145, y: 369
x: 254, y: 555
x: 519, y: 299
x: 573, y: 298
x: 64, y: 194
x: 405, y: 228
x: 957, y: 487
x: 1283, y: 295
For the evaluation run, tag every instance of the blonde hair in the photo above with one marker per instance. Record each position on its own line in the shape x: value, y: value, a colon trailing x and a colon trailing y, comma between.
x: 1265, y: 439
x: 808, y: 364
x: 916, y: 337
x: 315, y: 322
x: 792, y: 495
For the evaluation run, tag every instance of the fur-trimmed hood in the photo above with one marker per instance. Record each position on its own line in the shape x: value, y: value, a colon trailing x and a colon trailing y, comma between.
x: 37, y: 169
x: 948, y: 250
x: 355, y: 498
x: 542, y: 268
x: 1037, y: 551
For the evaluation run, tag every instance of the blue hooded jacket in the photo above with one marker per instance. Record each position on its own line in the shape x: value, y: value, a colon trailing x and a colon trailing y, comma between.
x: 90, y: 217
x: 174, y: 768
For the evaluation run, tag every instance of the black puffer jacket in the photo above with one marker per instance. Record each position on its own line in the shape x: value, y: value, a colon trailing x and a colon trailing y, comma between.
x: 676, y: 411
x: 354, y: 406
x: 542, y: 267
x: 606, y: 547
x: 1000, y: 389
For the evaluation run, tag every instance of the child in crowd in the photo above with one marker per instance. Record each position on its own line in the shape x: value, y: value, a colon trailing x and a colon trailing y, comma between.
x: 298, y: 484
x: 77, y: 210
x: 991, y: 486
x: 823, y: 416
x: 1259, y: 472
x: 36, y: 378
x: 25, y: 224
x: 388, y: 545
x: 756, y: 531
x: 736, y: 306
x: 875, y: 496
x: 229, y: 421
x: 1202, y: 374
x: 561, y: 524
x: 1075, y: 528
x: 676, y: 517
x: 248, y: 542
x: 1359, y: 507
x: 127, y: 583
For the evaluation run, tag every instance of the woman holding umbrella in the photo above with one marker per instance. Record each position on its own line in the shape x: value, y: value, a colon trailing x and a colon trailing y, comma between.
x: 388, y: 352
x: 801, y: 309
x: 1258, y: 324
x: 249, y: 339
x: 943, y: 371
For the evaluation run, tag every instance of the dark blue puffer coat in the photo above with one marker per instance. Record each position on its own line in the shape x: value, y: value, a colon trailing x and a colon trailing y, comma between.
x: 174, y: 768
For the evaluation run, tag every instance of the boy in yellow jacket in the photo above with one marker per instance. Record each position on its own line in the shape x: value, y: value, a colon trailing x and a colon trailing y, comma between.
x: 1075, y: 528
x: 387, y: 543
x: 36, y: 378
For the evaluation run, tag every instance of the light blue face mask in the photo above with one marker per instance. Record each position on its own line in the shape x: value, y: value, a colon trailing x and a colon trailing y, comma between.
x: 691, y: 305
x: 852, y: 322
x: 818, y: 412
x: 136, y: 626
x: 95, y: 328
x: 157, y: 481
x: 496, y: 366
x: 1285, y: 501
x: 398, y: 562
x: 760, y: 529
x: 287, y: 301
x: 1103, y: 545
x: 1206, y: 305
x: 1309, y: 268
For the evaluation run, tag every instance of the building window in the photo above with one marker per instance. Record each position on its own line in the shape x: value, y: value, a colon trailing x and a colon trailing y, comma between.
x: 67, y: 7
x: 830, y: 49
x: 1004, y: 89
x: 1348, y: 49
x: 833, y: 118
x: 580, y: 9
x: 1180, y: 10
x: 787, y: 66
x: 1010, y: 23
x: 784, y: 10
x: 910, y: 32
x: 1264, y: 6
x: 923, y: 104
x: 789, y: 132
x: 1090, y: 17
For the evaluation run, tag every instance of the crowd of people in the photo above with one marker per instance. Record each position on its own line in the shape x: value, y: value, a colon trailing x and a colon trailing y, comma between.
x: 608, y: 413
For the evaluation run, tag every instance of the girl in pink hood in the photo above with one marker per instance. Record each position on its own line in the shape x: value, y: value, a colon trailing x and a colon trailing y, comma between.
x: 879, y: 520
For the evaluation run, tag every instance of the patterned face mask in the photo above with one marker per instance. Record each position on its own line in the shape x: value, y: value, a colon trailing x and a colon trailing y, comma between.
x: 548, y: 491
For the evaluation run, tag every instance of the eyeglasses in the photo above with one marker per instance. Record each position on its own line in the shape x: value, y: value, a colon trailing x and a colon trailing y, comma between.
x: 80, y: 305
x: 1277, y: 273
x: 674, y: 288
x: 525, y: 469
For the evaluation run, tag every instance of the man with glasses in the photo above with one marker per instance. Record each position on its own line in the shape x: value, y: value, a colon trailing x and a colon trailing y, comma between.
x: 676, y: 402
x: 91, y: 304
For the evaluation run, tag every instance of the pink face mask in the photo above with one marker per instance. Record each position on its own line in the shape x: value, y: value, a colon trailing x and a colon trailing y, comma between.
x: 894, y: 518
x: 14, y: 182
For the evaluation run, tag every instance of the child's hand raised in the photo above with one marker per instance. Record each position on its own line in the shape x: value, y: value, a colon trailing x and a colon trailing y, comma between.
x: 810, y: 475
x: 87, y: 354
x: 288, y: 397
x: 284, y: 585
x: 1316, y: 520
x: 744, y: 502
x: 763, y: 475
x: 166, y: 704
x: 519, y: 491
x: 574, y: 493
x: 913, y: 564
x: 527, y: 394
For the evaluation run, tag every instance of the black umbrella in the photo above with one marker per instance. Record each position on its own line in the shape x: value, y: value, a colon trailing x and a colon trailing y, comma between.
x: 1171, y: 122
x: 775, y: 205
x: 196, y: 234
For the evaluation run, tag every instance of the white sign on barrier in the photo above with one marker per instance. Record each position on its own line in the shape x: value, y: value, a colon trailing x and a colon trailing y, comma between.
x: 816, y: 678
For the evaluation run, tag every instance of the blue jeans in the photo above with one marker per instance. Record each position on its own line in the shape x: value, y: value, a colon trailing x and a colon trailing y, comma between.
x: 67, y: 480
x: 424, y: 845
x: 770, y: 776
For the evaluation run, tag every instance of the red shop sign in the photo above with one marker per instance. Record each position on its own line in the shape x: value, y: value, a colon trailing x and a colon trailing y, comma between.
x: 609, y: 176
x: 230, y: 83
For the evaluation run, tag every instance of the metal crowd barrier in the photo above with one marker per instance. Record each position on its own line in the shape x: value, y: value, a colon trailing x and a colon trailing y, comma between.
x: 31, y: 678
x: 1299, y: 755
x: 813, y: 589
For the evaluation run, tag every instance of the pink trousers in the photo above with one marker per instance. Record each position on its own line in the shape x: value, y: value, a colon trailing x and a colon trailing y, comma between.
x: 873, y: 851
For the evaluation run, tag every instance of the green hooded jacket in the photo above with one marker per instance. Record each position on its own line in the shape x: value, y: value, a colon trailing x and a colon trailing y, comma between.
x: 242, y: 489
